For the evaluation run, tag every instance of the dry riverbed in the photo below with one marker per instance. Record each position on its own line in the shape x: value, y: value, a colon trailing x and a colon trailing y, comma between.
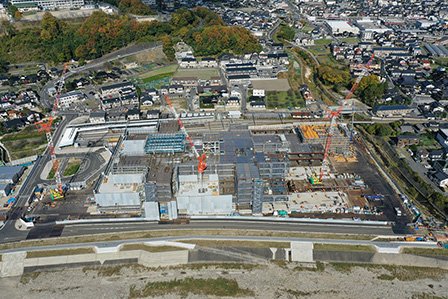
x: 273, y: 280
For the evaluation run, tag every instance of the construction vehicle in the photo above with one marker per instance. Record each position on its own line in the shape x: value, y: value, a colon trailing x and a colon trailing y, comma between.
x: 46, y: 126
x: 333, y: 115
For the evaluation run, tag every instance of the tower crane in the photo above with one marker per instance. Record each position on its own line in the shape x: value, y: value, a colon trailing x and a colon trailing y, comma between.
x: 45, y: 126
x: 202, y: 165
x: 335, y: 114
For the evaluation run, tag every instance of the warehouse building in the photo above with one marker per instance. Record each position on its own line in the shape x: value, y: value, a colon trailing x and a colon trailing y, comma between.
x: 338, y: 27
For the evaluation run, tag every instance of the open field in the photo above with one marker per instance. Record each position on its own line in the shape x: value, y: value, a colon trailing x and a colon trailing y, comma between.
x: 202, y: 74
x: 271, y: 85
x: 166, y: 71
x: 27, y: 142
x: 283, y: 99
x: 272, y: 280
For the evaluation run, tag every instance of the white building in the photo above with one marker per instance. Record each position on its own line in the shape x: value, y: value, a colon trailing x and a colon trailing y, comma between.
x: 341, y: 27
x: 26, y: 5
x: 258, y: 93
x: 202, y: 198
x: 67, y: 99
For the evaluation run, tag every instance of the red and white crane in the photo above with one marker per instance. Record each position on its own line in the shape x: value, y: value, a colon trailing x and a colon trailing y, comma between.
x: 202, y: 165
x: 336, y: 113
x: 46, y: 126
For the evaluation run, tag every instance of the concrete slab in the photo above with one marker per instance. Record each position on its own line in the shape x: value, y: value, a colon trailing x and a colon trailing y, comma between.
x: 302, y: 252
x: 12, y: 264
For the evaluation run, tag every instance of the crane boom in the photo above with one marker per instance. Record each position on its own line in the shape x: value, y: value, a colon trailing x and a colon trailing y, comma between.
x: 335, y: 114
x: 202, y: 165
x: 46, y: 127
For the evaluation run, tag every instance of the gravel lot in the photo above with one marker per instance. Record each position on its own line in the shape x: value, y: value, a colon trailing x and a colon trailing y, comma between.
x: 265, y: 281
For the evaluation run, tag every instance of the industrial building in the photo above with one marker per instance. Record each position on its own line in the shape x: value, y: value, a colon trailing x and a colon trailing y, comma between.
x: 28, y: 5
x: 338, y: 27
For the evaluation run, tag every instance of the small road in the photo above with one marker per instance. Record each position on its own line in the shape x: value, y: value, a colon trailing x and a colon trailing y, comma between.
x: 45, y: 99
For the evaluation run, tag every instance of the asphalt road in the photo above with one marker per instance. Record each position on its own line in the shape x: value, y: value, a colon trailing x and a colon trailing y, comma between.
x: 8, y: 233
x: 75, y: 230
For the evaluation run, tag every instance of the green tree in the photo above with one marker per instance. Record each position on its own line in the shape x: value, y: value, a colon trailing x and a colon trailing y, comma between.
x: 286, y: 32
x: 333, y: 76
x: 370, y: 89
x: 136, y: 7
x: 50, y: 27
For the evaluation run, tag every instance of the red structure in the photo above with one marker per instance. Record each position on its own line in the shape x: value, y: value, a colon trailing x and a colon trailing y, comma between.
x: 335, y: 114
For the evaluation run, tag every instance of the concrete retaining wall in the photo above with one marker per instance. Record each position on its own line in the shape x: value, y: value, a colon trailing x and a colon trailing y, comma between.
x: 14, y: 264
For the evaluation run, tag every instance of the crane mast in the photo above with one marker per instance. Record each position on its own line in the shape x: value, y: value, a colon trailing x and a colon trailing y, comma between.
x: 45, y: 126
x: 335, y: 114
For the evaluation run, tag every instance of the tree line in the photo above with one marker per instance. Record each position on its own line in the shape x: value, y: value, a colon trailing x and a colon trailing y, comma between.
x: 58, y: 41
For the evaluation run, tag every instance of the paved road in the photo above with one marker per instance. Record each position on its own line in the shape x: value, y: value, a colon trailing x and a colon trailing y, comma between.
x: 8, y: 233
x: 74, y: 230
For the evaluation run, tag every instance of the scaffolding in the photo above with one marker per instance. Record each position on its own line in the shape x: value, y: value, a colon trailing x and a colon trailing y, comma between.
x: 165, y: 143
x: 312, y: 134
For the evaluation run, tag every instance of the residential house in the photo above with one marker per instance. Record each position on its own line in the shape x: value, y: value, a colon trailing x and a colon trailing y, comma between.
x: 393, y: 110
x: 97, y: 117
x: 442, y: 137
x: 407, y: 140
x: 133, y: 114
x: 69, y: 98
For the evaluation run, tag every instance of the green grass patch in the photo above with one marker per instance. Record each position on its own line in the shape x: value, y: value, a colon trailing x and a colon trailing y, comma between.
x: 283, y: 99
x: 428, y: 140
x: 343, y: 247
x: 307, y: 28
x: 350, y: 40
x: 323, y: 41
x: 197, y: 286
x: 59, y: 252
x: 25, y: 143
x: 159, y: 71
x: 72, y: 167
x: 157, y: 77
x: 425, y: 251
x: 51, y: 174
x: 201, y: 74
x: 129, y: 247
x: 231, y: 243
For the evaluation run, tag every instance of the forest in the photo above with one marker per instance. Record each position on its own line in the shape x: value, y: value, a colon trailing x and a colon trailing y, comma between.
x: 54, y: 40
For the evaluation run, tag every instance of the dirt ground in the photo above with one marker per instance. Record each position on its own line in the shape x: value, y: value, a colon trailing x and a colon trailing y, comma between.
x: 264, y: 281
